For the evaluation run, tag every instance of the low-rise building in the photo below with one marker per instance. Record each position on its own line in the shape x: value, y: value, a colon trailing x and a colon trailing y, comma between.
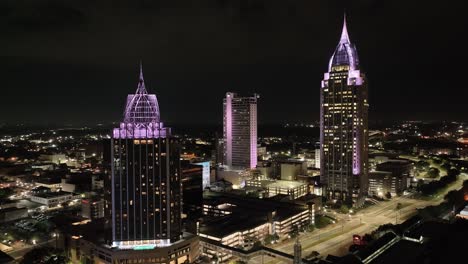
x: 53, y: 183
x: 294, y: 189
x: 291, y: 169
x: 89, y: 242
x: 463, y: 213
x: 221, y: 186
x: 383, y: 182
x: 92, y: 209
x: 237, y: 221
x: 12, y: 213
x: 53, y: 158
x: 401, y: 168
x: 53, y: 199
x: 97, y: 182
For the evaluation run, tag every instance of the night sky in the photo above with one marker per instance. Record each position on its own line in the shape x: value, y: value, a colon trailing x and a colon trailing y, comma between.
x: 74, y: 62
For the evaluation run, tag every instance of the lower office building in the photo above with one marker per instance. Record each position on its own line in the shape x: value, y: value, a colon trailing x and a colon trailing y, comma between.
x: 383, y: 182
x: 240, y: 222
x: 89, y: 242
x: 53, y: 199
x: 12, y: 213
x: 83, y: 251
x: 293, y: 189
x: 92, y: 209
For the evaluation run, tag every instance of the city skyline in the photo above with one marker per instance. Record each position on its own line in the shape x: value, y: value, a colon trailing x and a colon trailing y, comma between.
x: 300, y: 132
x: 253, y: 50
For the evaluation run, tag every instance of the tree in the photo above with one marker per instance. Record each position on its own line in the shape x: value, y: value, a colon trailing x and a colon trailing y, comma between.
x: 6, y: 192
x: 44, y: 255
x: 294, y: 231
x: 433, y: 173
x: 399, y: 206
x: 270, y: 239
x: 321, y: 221
x: 344, y: 209
x: 388, y: 195
x: 257, y: 244
x: 446, y: 166
x: 310, y: 228
x: 367, y: 238
x: 421, y: 165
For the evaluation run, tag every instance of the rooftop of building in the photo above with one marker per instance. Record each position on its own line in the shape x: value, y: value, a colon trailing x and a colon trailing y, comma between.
x: 285, y: 184
x: 395, y: 162
x: 12, y: 209
x: 49, y: 195
x: 379, y: 173
x: 247, y: 213
x: 97, y: 231
x: 279, y: 183
x: 402, y: 252
x: 383, y: 154
x: 5, y: 258
x: 227, y: 225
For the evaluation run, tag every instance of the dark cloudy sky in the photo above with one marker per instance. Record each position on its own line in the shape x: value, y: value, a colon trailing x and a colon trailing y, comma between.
x: 68, y: 61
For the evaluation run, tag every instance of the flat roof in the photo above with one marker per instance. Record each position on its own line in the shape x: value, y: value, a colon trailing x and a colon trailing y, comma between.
x: 5, y: 258
x: 402, y: 252
x: 285, y: 184
x: 53, y: 194
x: 11, y: 209
x: 247, y: 213
x: 224, y: 226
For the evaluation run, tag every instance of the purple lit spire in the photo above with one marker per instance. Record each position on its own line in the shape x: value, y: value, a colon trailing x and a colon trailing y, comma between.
x: 345, y: 53
x: 344, y: 33
x: 141, y: 82
x: 141, y: 115
x: 142, y: 108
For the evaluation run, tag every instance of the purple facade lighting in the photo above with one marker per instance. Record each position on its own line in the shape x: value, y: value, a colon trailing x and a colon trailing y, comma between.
x: 228, y: 129
x: 240, y: 131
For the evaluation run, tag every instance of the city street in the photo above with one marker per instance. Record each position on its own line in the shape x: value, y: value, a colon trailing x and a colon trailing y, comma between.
x: 336, y: 238
x: 19, y: 252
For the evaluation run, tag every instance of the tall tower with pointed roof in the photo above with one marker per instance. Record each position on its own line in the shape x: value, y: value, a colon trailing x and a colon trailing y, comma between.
x: 146, y: 188
x: 344, y: 125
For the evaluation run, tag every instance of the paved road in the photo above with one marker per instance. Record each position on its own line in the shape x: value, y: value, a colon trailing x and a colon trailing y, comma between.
x: 18, y: 253
x: 335, y: 239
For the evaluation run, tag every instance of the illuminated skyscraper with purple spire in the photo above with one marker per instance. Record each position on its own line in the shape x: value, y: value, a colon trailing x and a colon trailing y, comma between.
x: 343, y: 125
x: 146, y: 189
x: 240, y: 131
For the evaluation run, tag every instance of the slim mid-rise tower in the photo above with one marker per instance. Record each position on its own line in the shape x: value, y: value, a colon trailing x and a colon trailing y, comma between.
x: 146, y: 188
x: 240, y: 131
x: 343, y: 125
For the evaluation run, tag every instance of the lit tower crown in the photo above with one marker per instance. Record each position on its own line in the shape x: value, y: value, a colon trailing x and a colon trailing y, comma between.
x: 345, y: 52
x: 141, y: 108
x: 141, y: 115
